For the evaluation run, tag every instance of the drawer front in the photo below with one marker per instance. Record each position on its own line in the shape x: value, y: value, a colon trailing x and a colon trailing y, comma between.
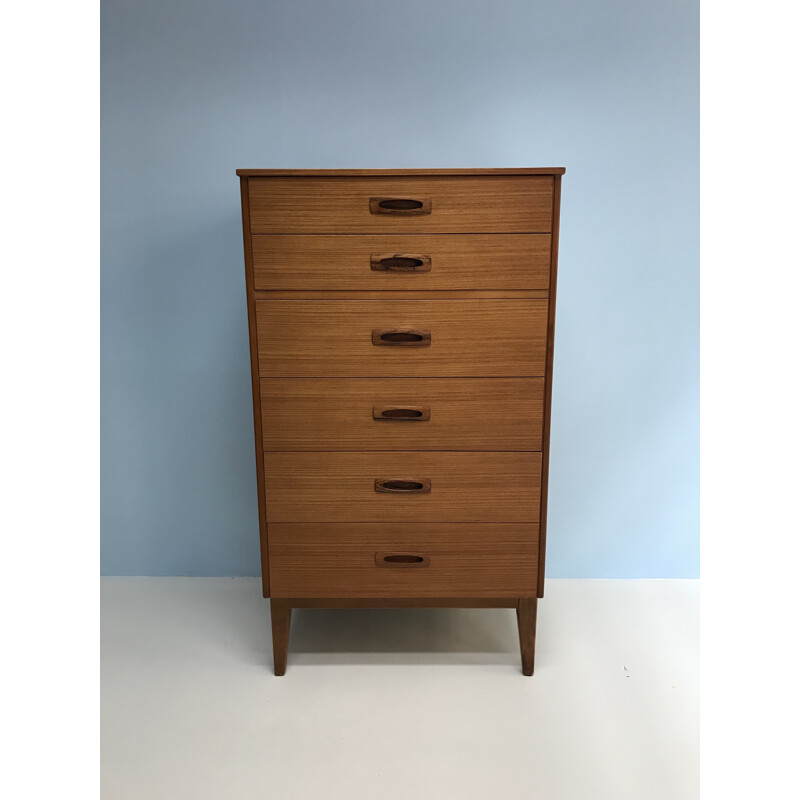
x: 402, y: 413
x: 407, y: 262
x: 402, y: 487
x: 395, y: 560
x: 401, y: 338
x: 429, y: 204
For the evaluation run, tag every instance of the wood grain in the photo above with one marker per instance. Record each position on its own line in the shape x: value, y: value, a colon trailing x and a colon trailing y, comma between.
x: 526, y: 623
x: 465, y: 487
x: 457, y: 261
x: 403, y: 602
x: 281, y: 613
x: 322, y: 173
x: 470, y: 204
x: 322, y: 338
x: 338, y: 560
x: 444, y: 294
x: 465, y: 413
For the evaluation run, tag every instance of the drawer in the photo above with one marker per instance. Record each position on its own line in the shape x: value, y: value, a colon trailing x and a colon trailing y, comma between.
x: 408, y: 262
x: 407, y: 204
x: 402, y: 487
x: 401, y: 338
x: 395, y: 560
x: 402, y: 413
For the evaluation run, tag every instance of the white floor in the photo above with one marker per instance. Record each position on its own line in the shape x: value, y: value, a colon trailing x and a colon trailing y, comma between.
x: 398, y: 704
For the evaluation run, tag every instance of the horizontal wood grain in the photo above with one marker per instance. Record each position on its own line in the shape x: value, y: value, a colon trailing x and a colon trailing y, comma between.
x: 321, y: 173
x: 470, y: 204
x: 445, y: 294
x: 458, y: 601
x: 462, y: 413
x: 323, y: 338
x: 454, y: 261
x: 464, y: 487
x: 339, y: 560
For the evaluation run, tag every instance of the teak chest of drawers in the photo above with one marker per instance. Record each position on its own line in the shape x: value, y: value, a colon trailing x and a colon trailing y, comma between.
x: 401, y: 344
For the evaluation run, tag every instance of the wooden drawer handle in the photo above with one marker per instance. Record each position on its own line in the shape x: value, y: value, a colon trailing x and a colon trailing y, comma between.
x: 410, y: 413
x: 399, y: 262
x: 402, y: 560
x: 402, y: 486
x: 401, y: 337
x: 407, y: 206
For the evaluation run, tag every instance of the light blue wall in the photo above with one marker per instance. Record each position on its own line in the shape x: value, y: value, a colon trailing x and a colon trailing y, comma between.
x: 193, y: 89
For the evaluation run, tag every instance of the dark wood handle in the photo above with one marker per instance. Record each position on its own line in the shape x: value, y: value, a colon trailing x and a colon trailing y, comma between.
x: 399, y: 262
x: 402, y: 560
x: 401, y: 337
x: 405, y: 206
x: 410, y: 413
x: 402, y: 485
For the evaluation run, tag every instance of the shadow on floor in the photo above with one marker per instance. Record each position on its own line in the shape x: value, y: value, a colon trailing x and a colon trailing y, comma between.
x: 404, y: 635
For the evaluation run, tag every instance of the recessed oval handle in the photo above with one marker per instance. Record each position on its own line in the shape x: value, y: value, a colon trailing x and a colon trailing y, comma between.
x: 406, y: 206
x: 400, y: 204
x: 401, y: 337
x: 402, y: 485
x: 402, y: 560
x: 408, y: 413
x: 399, y: 262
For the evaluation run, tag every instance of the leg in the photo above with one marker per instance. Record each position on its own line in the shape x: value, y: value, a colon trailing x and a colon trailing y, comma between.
x: 526, y: 620
x: 281, y: 619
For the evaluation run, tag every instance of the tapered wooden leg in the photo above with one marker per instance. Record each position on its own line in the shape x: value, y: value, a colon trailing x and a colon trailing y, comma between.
x: 526, y: 621
x: 281, y: 621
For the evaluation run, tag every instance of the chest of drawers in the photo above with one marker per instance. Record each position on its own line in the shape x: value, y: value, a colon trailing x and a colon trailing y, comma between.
x: 401, y: 344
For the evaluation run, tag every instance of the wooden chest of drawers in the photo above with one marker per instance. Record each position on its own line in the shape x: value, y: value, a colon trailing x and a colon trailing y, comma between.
x: 401, y: 344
